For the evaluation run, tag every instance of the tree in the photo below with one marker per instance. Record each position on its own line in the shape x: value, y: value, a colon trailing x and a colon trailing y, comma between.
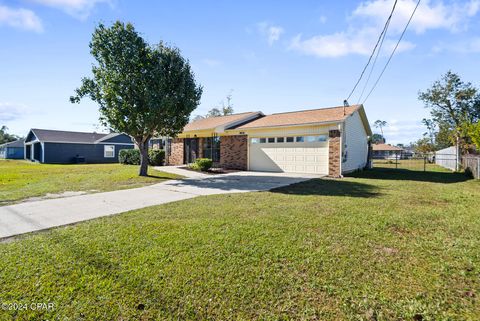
x: 223, y: 110
x: 378, y: 139
x: 423, y: 146
x: 6, y: 137
x: 380, y: 124
x: 473, y: 131
x: 430, y: 124
x: 452, y: 103
x: 142, y: 90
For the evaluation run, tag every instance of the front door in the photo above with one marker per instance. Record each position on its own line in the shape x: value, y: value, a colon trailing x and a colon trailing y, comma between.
x: 190, y: 150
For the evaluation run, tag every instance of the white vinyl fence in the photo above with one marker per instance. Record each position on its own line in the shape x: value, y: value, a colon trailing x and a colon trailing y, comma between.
x: 447, y: 158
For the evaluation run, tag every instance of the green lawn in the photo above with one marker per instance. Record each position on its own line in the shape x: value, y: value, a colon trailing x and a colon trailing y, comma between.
x: 22, y: 179
x: 383, y: 245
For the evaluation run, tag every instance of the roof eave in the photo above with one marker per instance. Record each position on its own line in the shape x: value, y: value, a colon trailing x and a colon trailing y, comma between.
x: 294, y: 125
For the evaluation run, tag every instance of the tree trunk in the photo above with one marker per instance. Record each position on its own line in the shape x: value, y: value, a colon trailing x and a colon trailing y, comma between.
x: 143, y: 147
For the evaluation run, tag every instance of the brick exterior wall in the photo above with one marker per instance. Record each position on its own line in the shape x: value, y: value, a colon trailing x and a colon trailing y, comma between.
x: 176, y: 155
x: 200, y: 147
x: 233, y: 152
x: 334, y: 154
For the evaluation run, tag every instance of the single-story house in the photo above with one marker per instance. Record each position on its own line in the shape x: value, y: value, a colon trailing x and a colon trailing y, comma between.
x: 386, y: 151
x: 330, y: 141
x: 12, y: 150
x: 64, y: 147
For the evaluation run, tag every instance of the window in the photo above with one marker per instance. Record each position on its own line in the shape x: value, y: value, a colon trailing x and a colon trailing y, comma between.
x: 313, y: 139
x: 211, y: 148
x: 300, y: 139
x: 263, y: 140
x: 280, y: 139
x: 271, y: 139
x: 322, y: 138
x: 109, y: 151
x: 289, y: 139
x: 254, y: 140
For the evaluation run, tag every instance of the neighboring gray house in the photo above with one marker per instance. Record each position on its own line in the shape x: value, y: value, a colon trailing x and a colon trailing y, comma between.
x: 12, y: 150
x: 63, y: 147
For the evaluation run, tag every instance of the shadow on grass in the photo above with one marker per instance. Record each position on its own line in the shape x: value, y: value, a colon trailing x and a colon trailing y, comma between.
x: 330, y: 187
x: 411, y: 175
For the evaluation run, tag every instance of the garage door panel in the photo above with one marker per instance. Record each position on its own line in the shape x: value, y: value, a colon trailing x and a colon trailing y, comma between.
x: 295, y: 157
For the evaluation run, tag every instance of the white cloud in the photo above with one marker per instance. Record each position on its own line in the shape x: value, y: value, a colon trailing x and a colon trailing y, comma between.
x: 402, y: 131
x: 10, y: 111
x: 367, y: 20
x: 341, y: 44
x: 438, y: 15
x: 271, y: 32
x: 80, y: 9
x: 20, y: 18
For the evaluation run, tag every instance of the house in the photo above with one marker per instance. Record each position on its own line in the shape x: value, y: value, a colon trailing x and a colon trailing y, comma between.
x: 387, y: 151
x: 330, y: 141
x: 12, y: 150
x: 63, y: 147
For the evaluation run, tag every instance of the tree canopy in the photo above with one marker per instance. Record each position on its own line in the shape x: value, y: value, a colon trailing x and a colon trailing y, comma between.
x: 452, y: 103
x: 378, y: 139
x: 5, y: 137
x: 142, y: 90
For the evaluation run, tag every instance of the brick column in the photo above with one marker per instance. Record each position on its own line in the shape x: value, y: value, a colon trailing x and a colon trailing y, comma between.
x: 233, y: 152
x: 334, y: 153
x: 176, y: 154
x: 200, y: 147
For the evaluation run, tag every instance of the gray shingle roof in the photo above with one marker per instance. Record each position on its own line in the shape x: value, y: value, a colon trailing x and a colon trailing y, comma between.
x: 17, y: 143
x: 48, y: 135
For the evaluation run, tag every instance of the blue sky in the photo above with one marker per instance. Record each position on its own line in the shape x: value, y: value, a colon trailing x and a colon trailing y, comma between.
x: 273, y: 56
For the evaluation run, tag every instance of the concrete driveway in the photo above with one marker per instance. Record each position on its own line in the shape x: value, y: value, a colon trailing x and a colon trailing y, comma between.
x: 39, y: 215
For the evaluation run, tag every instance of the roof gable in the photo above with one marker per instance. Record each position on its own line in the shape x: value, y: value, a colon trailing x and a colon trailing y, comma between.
x: 60, y: 136
x: 221, y: 122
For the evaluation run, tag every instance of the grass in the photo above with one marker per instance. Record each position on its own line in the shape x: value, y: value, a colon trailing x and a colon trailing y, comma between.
x: 20, y: 180
x: 380, y: 245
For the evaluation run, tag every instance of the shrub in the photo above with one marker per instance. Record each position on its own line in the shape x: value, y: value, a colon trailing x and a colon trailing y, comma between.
x: 156, y: 157
x: 202, y: 164
x: 129, y: 157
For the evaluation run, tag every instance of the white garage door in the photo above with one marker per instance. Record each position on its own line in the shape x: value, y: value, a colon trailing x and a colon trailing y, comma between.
x: 296, y: 154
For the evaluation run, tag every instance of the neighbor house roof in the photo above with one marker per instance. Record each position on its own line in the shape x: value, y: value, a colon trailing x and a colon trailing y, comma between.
x: 16, y: 143
x: 48, y: 135
x: 303, y: 117
x: 221, y: 121
x: 385, y: 147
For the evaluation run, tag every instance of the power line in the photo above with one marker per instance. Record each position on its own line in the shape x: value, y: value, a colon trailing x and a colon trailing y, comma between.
x: 393, y: 52
x: 374, y: 49
x: 373, y: 65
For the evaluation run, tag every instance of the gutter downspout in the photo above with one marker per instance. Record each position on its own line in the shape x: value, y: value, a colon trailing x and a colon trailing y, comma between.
x: 340, y: 128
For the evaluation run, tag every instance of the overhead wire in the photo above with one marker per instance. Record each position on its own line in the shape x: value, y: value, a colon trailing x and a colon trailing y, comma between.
x: 385, y: 27
x: 393, y: 52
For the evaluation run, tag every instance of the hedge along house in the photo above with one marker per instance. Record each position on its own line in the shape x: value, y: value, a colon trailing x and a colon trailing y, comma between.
x: 12, y: 150
x: 327, y: 141
x: 64, y: 147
